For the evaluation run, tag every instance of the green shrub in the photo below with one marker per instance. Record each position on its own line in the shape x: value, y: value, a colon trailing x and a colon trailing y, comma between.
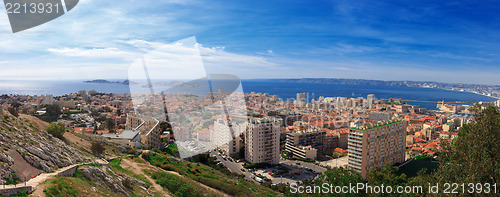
x: 132, y: 151
x: 146, y: 156
x: 61, y: 187
x: 177, y: 185
x: 13, y: 112
x: 57, y: 130
x: 97, y: 148
x: 127, y: 183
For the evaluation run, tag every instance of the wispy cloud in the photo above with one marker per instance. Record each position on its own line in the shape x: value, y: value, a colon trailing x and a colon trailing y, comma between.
x: 95, y: 53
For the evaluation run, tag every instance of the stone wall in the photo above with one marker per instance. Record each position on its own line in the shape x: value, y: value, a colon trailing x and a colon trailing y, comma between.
x: 69, y: 172
x: 14, y: 191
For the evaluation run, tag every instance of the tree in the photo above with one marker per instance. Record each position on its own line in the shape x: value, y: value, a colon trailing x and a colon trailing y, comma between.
x: 106, y: 109
x: 146, y: 156
x: 57, y: 130
x: 52, y: 113
x: 335, y: 177
x: 16, y: 105
x: 473, y: 157
x: 97, y: 148
x: 110, y: 124
x: 13, y: 111
x: 164, y: 126
x: 387, y: 176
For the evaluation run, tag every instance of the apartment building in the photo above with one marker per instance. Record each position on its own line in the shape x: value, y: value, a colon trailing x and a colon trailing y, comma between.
x: 222, y: 138
x: 149, y: 130
x: 301, y: 99
x: 262, y: 140
x: 331, y: 142
x: 306, y: 143
x: 373, y: 145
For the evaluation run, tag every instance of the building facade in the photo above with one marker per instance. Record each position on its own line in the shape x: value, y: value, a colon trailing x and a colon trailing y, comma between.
x: 372, y: 146
x: 301, y: 99
x: 262, y: 140
x: 302, y: 143
x: 222, y: 138
x: 149, y: 128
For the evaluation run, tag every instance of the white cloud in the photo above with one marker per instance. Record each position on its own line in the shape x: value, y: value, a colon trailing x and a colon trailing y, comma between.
x: 94, y: 52
x: 217, y: 55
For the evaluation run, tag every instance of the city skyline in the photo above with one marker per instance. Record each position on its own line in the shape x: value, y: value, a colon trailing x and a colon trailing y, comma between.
x: 452, y: 42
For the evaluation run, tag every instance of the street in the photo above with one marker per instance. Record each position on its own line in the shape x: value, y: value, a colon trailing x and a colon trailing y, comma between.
x: 234, y: 167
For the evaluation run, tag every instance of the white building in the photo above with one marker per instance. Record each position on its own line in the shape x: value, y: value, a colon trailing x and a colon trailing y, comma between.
x: 301, y: 99
x: 371, y: 100
x: 222, y: 138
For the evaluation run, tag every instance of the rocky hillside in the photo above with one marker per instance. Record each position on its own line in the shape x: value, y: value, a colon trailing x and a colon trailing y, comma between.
x: 26, y: 151
x: 106, y: 178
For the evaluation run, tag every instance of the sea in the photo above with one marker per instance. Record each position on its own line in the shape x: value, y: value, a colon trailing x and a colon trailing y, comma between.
x: 284, y: 90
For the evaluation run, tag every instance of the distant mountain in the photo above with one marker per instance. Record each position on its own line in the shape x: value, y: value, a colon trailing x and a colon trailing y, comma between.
x: 430, y: 84
x: 487, y: 90
x: 126, y: 82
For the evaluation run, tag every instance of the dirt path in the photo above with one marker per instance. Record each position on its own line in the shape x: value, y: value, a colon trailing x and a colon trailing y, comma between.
x: 148, y: 166
x: 137, y: 169
x: 35, y: 182
x: 39, y: 191
x: 34, y: 120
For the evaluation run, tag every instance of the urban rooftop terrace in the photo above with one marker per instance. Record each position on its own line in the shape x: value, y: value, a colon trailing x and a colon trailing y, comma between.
x: 377, y: 125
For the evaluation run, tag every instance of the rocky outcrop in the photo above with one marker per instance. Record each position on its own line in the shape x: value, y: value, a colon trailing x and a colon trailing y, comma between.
x: 106, y: 178
x: 36, y: 147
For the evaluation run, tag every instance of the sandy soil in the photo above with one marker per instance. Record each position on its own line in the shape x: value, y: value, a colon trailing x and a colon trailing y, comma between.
x: 76, y: 140
x: 35, y: 121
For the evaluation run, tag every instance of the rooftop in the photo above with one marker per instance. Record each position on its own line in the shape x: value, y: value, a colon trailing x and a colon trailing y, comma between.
x: 125, y: 134
x: 377, y: 125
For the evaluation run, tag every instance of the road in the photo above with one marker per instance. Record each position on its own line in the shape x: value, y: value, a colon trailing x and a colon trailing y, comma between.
x: 234, y: 167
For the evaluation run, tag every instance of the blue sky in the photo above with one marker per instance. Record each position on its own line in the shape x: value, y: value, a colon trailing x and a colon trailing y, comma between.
x: 446, y: 41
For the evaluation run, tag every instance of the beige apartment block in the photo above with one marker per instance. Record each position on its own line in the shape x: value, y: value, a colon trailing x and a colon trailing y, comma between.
x: 262, y: 140
x: 373, y: 145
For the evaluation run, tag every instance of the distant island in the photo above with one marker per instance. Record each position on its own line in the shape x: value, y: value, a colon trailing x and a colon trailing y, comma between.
x: 126, y: 82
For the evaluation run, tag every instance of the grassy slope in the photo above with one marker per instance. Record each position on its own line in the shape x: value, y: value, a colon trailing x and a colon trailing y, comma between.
x: 231, y: 184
